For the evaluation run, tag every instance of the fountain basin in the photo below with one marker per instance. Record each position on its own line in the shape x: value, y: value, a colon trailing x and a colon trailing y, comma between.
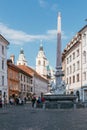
x: 59, y: 101
x: 59, y: 97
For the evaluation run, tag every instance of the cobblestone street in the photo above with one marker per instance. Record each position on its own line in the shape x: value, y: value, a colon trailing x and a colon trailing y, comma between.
x: 27, y: 118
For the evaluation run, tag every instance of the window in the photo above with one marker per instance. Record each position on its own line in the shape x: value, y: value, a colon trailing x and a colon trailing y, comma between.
x: 67, y: 60
x: 24, y: 78
x: 77, y: 52
x: 2, y: 80
x: 84, y: 56
x: 67, y: 80
x: 70, y: 58
x: 84, y: 76
x: 67, y: 71
x: 73, y: 79
x: 27, y: 89
x: 31, y: 89
x: 2, y: 64
x: 84, y: 39
x: 31, y: 81
x: 70, y: 80
x: 70, y: 69
x: 24, y: 87
x: 39, y: 62
x: 44, y: 63
x: 2, y: 49
x: 21, y: 77
x: 73, y: 55
x: 78, y: 65
x: 77, y: 77
x: 73, y: 67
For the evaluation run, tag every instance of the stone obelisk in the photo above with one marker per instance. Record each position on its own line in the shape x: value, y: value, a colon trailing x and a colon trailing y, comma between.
x: 59, y: 56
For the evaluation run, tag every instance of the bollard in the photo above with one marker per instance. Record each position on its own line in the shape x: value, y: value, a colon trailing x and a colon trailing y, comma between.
x: 74, y: 105
x: 43, y: 105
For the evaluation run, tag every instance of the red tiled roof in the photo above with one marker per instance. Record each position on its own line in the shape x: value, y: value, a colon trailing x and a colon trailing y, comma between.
x: 26, y: 69
x: 18, y: 68
x: 31, y: 71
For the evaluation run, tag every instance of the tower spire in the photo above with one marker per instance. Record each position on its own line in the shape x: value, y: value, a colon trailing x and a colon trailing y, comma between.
x: 41, y: 46
x: 59, y: 23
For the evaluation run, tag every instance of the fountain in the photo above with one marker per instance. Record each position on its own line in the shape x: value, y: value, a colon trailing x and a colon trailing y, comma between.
x: 58, y: 98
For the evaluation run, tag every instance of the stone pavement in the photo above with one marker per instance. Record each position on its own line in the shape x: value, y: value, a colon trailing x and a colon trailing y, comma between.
x: 28, y: 118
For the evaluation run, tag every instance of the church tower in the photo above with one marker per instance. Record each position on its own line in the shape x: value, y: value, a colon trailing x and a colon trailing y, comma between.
x: 41, y: 62
x: 21, y: 60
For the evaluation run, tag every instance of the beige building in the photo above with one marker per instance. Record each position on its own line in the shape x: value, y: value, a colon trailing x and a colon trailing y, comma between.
x: 74, y: 59
x: 39, y: 84
x: 19, y: 81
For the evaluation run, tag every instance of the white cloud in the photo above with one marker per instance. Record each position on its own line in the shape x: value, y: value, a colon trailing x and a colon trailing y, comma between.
x: 53, y: 33
x: 20, y: 37
x: 46, y: 4
x: 42, y: 3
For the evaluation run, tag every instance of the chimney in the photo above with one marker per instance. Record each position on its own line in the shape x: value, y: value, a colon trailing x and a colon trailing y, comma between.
x: 12, y: 57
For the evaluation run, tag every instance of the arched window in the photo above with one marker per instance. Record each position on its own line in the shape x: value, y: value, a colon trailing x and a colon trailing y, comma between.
x: 78, y: 78
x: 74, y: 67
x: 44, y: 62
x: 70, y: 69
x: 77, y: 52
x: 84, y: 39
x: 67, y: 71
x: 39, y: 62
x: 73, y: 55
x: 84, y: 56
x: 70, y: 80
x: 67, y: 80
x: 73, y: 78
x: 78, y: 65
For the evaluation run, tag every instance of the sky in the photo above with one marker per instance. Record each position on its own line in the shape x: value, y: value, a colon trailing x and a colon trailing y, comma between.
x: 25, y: 23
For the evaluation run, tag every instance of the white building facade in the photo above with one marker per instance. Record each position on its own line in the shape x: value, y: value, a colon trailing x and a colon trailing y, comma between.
x: 75, y: 65
x: 43, y: 67
x: 3, y: 69
x: 40, y: 85
x: 41, y: 62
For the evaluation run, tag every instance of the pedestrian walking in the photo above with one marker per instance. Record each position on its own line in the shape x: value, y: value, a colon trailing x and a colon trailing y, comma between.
x: 33, y: 101
x: 0, y: 102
